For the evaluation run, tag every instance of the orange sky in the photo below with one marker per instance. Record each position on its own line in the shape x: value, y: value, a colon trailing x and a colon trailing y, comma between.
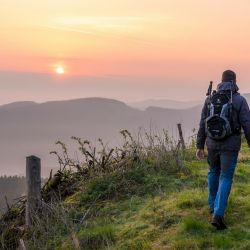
x: 163, y: 38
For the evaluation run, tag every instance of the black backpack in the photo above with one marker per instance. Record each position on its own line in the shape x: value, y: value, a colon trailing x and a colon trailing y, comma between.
x: 219, y: 121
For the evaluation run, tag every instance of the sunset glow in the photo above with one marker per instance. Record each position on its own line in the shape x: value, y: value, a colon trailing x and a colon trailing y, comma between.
x: 120, y: 41
x: 161, y: 42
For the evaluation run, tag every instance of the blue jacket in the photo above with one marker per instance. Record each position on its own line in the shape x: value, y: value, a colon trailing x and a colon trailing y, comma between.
x: 232, y: 143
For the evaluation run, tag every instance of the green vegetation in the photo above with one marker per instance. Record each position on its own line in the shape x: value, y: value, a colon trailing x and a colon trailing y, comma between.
x: 156, y: 199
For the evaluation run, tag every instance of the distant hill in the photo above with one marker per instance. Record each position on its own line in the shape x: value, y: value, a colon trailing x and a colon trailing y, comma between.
x: 17, y: 104
x: 30, y: 128
x: 170, y: 104
x: 164, y: 103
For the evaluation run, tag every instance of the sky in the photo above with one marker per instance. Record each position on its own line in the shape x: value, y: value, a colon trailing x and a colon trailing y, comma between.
x: 128, y: 50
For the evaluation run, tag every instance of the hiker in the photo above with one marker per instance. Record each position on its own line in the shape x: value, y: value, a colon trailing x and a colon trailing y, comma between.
x: 224, y: 114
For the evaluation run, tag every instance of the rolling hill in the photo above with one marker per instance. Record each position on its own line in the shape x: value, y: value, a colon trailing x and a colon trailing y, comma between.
x: 31, y: 128
x: 164, y: 103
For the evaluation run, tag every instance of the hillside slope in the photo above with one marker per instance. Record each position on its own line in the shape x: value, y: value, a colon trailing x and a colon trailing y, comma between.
x: 155, y: 199
x: 174, y: 216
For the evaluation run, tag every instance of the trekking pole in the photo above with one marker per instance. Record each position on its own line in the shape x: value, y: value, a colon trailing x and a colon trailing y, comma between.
x: 209, y: 94
x: 209, y: 91
x: 231, y: 92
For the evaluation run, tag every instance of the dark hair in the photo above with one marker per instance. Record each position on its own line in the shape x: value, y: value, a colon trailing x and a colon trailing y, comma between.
x: 228, y: 76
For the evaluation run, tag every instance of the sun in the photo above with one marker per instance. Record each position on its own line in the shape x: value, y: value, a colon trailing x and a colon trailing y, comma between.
x: 60, y: 70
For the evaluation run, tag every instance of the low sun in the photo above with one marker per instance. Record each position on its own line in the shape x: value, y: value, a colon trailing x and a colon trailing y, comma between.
x: 60, y: 70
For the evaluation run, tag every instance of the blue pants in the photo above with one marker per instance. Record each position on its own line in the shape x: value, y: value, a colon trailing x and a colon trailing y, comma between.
x: 220, y: 178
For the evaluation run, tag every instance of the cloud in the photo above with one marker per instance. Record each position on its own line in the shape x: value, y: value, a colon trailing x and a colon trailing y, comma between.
x: 122, y: 28
x: 68, y: 29
x: 101, y: 23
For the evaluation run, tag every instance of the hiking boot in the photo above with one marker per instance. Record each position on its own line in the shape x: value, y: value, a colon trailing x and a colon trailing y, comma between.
x: 218, y: 222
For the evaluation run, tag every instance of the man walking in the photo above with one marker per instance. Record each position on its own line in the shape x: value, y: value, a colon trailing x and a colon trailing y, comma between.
x: 223, y: 116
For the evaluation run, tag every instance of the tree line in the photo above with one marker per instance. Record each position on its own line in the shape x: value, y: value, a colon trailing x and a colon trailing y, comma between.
x: 11, y: 187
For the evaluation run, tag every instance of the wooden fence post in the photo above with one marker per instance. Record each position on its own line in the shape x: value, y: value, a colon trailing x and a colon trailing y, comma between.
x: 33, y: 180
x: 181, y: 139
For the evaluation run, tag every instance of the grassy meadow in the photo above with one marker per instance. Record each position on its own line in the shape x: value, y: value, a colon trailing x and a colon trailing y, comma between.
x: 168, y: 212
x: 157, y: 200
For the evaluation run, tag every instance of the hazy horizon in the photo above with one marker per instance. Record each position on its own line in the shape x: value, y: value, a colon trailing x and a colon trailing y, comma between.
x: 34, y: 128
x: 41, y: 87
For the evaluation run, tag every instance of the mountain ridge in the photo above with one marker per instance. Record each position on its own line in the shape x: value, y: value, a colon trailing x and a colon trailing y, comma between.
x: 33, y: 128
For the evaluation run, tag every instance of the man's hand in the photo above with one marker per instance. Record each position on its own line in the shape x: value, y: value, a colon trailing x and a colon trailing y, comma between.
x: 200, y: 154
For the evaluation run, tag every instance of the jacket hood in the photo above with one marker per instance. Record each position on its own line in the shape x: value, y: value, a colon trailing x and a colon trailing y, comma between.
x: 228, y: 86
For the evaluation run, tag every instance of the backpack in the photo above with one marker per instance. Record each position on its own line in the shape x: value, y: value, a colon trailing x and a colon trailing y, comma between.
x: 219, y: 121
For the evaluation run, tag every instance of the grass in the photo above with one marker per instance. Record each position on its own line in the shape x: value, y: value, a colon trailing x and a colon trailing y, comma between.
x: 97, y: 236
x: 168, y: 212
x: 174, y: 220
x: 148, y: 208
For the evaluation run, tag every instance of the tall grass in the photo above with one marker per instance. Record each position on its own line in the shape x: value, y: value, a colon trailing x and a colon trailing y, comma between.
x: 74, y: 193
